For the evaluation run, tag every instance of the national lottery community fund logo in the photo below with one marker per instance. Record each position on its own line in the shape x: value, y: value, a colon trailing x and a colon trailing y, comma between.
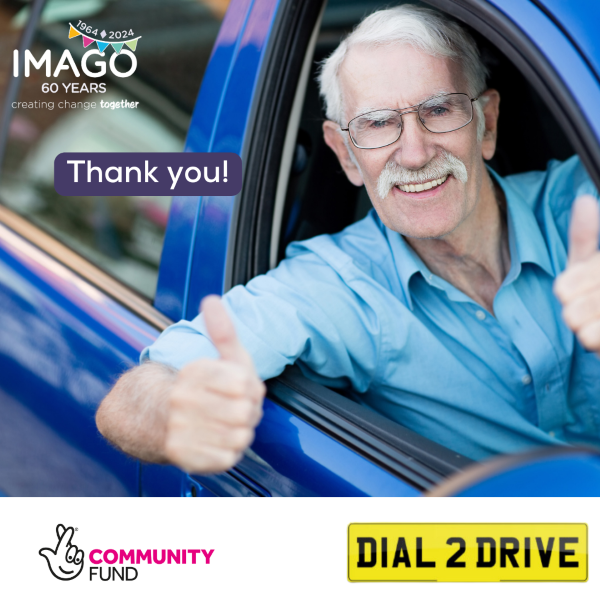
x: 66, y: 561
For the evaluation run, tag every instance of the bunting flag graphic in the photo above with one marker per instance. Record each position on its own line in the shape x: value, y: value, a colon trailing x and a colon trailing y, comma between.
x: 88, y: 41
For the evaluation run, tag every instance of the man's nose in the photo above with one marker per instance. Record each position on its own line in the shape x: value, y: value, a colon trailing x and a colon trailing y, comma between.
x: 414, y: 148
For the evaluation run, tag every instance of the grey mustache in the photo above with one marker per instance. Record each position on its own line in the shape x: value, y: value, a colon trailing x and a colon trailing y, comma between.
x: 444, y: 164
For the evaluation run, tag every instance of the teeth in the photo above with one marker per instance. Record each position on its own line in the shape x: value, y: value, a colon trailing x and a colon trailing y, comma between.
x: 419, y: 187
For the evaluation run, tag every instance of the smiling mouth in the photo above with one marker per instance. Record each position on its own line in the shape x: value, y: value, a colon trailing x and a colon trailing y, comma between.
x: 421, y: 187
x: 65, y: 572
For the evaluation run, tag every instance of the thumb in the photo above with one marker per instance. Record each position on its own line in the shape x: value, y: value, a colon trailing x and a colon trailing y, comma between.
x: 47, y: 553
x: 584, y: 229
x: 222, y: 332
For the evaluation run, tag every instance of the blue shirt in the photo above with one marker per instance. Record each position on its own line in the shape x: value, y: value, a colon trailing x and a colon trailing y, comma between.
x: 360, y: 309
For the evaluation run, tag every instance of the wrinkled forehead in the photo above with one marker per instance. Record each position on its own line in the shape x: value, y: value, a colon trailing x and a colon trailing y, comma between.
x: 394, y: 76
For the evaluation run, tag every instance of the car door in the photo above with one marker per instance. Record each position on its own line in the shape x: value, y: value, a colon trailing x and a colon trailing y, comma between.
x: 312, y: 440
x: 77, y: 275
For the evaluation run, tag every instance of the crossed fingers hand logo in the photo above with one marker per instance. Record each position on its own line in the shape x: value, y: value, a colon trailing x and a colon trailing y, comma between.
x: 66, y: 560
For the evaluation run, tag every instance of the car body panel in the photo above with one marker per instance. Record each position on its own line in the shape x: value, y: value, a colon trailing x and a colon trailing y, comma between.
x: 209, y: 262
x: 195, y: 246
x: 566, y: 60
x: 569, y: 17
x: 63, y: 341
x: 288, y: 458
x: 576, y: 475
x: 174, y: 272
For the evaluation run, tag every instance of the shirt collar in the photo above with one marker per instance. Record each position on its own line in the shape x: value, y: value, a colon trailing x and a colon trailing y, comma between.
x: 525, y: 239
x: 407, y: 262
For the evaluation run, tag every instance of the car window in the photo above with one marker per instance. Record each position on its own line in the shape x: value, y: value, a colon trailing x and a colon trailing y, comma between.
x: 319, y: 199
x: 166, y: 46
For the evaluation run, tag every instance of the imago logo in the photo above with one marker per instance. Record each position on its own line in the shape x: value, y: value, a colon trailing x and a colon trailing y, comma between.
x: 66, y: 560
x: 27, y: 61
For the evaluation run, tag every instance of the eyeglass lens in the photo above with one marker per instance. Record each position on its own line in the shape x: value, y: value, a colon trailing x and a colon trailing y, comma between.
x: 440, y: 114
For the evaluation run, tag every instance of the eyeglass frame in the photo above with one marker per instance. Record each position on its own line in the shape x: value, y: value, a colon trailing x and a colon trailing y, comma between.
x: 406, y: 112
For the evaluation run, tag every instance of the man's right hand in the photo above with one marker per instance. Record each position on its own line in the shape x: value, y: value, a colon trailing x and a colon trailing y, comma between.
x: 214, y: 404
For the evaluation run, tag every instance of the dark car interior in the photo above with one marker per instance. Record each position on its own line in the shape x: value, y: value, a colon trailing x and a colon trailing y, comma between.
x: 321, y: 200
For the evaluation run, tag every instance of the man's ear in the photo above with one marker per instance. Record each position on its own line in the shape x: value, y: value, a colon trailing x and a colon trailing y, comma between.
x: 333, y: 138
x: 491, y: 111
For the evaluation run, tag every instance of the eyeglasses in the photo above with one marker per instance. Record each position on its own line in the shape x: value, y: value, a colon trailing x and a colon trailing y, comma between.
x: 440, y: 114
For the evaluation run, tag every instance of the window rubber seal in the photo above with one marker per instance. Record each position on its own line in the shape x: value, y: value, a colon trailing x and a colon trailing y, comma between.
x: 408, y: 455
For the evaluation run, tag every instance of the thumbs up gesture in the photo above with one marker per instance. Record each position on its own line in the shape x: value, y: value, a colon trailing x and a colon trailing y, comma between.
x: 214, y: 404
x: 578, y: 287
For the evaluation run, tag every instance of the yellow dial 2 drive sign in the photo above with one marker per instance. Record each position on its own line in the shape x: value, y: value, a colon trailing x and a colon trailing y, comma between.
x: 467, y: 552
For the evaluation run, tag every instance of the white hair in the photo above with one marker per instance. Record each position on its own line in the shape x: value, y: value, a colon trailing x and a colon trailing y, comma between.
x: 422, y: 28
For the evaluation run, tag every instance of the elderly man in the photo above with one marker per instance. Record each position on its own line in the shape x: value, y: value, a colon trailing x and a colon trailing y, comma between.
x: 437, y: 309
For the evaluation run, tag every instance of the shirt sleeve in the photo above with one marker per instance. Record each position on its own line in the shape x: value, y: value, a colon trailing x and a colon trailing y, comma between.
x: 304, y: 311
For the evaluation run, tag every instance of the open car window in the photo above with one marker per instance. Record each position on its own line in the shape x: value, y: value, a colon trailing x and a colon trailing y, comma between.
x: 312, y: 195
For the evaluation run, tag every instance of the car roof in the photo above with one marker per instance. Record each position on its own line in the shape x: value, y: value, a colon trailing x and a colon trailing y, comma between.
x: 578, y: 19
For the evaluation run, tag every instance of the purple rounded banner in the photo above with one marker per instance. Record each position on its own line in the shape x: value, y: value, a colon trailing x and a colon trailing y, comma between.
x: 148, y: 174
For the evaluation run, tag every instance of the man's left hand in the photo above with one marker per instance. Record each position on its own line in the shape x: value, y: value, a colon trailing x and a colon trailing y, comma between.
x: 578, y: 286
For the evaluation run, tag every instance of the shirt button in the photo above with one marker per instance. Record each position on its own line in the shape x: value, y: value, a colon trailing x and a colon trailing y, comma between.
x: 480, y: 315
x: 547, y: 387
x: 526, y: 379
x: 551, y: 433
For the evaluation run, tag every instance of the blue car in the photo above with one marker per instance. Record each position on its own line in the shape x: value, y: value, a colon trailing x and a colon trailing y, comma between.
x: 87, y: 283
